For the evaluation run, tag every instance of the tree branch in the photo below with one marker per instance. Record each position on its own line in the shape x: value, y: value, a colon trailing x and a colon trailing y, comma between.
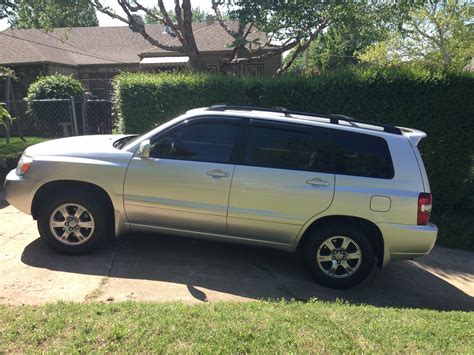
x: 107, y: 11
x: 179, y: 15
x: 169, y: 22
x: 217, y: 11
x: 423, y: 33
x: 131, y: 21
x: 288, y: 45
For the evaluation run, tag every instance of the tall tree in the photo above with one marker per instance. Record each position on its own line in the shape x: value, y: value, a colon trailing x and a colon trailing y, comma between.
x: 439, y: 33
x: 444, y: 26
x: 287, y: 25
x: 181, y: 27
x: 363, y: 24
x: 48, y: 14
x: 336, y: 47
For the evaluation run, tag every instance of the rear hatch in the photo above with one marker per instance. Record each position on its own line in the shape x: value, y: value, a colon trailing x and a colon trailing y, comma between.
x: 415, y: 136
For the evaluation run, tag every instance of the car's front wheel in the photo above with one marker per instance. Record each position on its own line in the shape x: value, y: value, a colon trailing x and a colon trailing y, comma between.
x: 72, y: 222
x: 339, y: 256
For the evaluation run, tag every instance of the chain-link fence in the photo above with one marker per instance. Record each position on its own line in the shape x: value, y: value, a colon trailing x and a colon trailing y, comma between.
x: 55, y: 118
x: 97, y: 117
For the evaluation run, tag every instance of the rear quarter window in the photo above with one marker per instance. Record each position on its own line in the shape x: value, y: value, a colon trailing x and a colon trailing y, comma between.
x: 364, y: 155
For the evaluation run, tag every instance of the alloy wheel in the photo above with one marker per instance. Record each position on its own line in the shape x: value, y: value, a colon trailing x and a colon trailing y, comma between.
x: 339, y: 257
x: 72, y: 224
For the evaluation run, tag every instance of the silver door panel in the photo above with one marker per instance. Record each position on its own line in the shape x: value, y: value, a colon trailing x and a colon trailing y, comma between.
x: 281, y: 233
x: 177, y: 193
x: 273, y: 204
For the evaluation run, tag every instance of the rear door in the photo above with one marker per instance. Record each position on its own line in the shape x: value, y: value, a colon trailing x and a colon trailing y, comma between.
x: 283, y: 179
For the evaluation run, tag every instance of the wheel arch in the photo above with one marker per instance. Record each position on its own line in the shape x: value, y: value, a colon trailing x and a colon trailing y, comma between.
x: 60, y: 185
x: 369, y: 228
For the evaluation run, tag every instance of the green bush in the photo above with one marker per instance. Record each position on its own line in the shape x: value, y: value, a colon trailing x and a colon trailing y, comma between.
x: 440, y: 104
x: 47, y: 115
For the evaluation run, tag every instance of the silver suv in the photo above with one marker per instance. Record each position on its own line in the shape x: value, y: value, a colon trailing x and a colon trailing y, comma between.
x: 344, y: 193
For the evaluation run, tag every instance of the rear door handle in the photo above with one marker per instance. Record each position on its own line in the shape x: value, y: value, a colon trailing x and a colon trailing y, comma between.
x: 317, y: 182
x: 217, y: 173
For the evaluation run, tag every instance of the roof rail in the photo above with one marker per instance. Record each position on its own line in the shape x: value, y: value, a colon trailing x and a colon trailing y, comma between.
x: 333, y: 118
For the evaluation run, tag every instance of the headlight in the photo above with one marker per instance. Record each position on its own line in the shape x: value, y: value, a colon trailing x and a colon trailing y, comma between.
x: 23, y: 165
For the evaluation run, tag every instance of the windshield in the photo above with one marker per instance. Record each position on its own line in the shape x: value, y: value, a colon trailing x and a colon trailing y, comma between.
x: 120, y: 143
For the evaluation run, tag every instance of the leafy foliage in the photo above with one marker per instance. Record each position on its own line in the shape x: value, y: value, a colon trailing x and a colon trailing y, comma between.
x: 6, y: 8
x: 438, y: 103
x: 47, y: 115
x: 48, y: 14
x: 56, y: 86
x: 438, y: 34
x: 360, y: 25
x: 5, y: 116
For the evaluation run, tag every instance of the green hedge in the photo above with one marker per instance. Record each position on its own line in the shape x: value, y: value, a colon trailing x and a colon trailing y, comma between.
x: 440, y: 104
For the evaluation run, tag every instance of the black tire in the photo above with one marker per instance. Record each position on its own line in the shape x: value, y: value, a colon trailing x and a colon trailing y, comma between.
x: 315, y: 241
x: 102, y: 224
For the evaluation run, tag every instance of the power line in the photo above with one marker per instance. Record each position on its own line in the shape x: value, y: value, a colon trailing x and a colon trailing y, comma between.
x: 72, y: 45
x: 63, y: 49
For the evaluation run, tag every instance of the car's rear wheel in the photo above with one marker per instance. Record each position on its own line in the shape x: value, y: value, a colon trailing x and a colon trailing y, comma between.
x: 72, y: 222
x: 339, y: 256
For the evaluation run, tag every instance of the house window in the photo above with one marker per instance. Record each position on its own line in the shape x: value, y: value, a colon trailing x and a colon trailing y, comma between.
x: 211, y: 69
x: 233, y: 70
x: 253, y: 69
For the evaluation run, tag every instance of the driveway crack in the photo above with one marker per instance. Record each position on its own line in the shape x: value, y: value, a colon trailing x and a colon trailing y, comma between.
x: 99, y: 290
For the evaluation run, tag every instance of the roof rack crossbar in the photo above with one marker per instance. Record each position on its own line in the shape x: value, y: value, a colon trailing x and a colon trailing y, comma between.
x: 333, y: 118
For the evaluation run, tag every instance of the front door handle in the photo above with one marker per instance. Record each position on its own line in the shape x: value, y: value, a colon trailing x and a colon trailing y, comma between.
x: 317, y: 182
x: 217, y: 173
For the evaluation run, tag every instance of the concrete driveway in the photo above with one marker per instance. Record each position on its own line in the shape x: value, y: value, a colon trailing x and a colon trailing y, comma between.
x: 164, y: 268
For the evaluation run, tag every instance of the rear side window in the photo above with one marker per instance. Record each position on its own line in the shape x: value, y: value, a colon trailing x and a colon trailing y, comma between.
x: 287, y: 148
x: 362, y: 155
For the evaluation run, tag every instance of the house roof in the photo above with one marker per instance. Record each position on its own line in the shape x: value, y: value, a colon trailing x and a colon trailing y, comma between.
x: 101, y: 45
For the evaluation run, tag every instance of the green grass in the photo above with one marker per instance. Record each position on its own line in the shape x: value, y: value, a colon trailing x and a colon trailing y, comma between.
x: 17, y: 146
x: 232, y: 327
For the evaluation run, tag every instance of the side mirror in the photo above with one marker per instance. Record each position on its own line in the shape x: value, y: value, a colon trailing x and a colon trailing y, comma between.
x: 144, y: 150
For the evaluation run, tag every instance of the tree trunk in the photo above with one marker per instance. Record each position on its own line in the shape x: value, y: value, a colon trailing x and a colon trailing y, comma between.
x: 444, y: 54
x: 195, y: 62
x: 189, y: 44
x: 294, y: 55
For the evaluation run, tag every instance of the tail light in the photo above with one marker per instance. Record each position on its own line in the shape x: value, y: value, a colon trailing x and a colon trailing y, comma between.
x: 424, y: 209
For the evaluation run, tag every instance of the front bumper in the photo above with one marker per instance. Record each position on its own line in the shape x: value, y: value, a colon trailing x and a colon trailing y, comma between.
x: 403, y: 241
x: 19, y: 191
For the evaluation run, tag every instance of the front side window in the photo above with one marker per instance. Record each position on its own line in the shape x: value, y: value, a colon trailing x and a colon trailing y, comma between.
x: 282, y: 148
x: 362, y: 155
x: 207, y: 142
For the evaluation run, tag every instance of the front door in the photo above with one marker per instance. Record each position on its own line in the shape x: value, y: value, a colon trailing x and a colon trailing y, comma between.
x: 284, y: 178
x: 185, y: 183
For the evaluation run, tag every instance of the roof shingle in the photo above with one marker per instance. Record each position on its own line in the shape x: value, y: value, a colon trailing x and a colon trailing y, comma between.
x: 100, y: 45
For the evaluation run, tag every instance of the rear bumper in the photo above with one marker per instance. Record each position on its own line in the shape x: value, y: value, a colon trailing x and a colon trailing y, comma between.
x: 403, y: 241
x: 19, y: 191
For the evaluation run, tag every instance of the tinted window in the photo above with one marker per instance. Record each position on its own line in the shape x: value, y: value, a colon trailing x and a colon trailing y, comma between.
x: 210, y: 142
x: 362, y: 155
x: 283, y: 148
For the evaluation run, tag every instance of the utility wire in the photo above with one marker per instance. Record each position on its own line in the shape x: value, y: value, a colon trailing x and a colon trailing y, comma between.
x: 64, y: 49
